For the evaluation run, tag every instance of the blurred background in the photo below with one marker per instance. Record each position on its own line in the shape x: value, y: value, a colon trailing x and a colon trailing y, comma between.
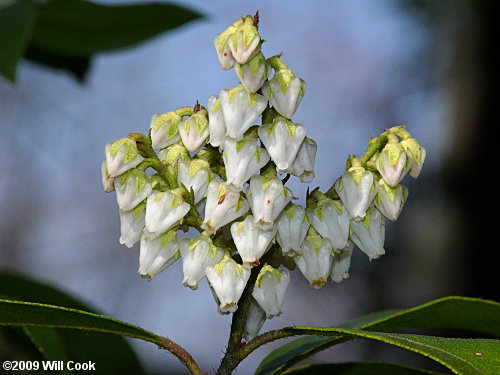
x: 429, y: 65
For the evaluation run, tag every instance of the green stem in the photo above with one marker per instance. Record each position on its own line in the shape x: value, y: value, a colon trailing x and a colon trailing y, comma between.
x: 277, y: 63
x: 400, y: 131
x: 377, y: 145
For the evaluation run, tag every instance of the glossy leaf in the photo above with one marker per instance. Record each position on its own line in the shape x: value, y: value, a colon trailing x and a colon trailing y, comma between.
x: 16, y: 24
x: 82, y: 28
x: 462, y: 356
x: 447, y: 313
x: 79, y: 345
x: 359, y: 368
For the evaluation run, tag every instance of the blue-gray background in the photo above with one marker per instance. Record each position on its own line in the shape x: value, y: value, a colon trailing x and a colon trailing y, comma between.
x: 368, y: 65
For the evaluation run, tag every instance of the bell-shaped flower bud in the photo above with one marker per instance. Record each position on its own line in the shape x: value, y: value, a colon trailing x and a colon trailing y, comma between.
x: 245, y: 41
x: 197, y: 254
x: 132, y: 188
x: 270, y: 288
x: 174, y: 153
x: 282, y: 139
x: 164, y: 129
x: 285, y: 92
x: 303, y: 164
x: 240, y: 109
x: 132, y: 225
x: 315, y: 259
x: 369, y: 234
x: 194, y: 130
x: 216, y: 123
x: 222, y: 49
x: 251, y: 241
x: 267, y: 197
x: 356, y: 188
x: 254, y: 73
x: 223, y: 206
x: 393, y: 163
x: 195, y: 175
x: 164, y: 210
x: 255, y: 321
x: 390, y: 200
x: 108, y: 182
x: 228, y: 279
x: 243, y: 159
x: 157, y: 254
x: 416, y: 154
x: 341, y: 264
x: 292, y: 225
x: 121, y: 156
x: 331, y: 220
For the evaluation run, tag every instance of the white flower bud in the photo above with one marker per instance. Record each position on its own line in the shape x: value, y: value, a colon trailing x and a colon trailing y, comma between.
x: 369, y: 234
x: 243, y: 159
x: 251, y: 241
x: 356, y: 188
x: 285, y: 92
x: 244, y: 42
x: 254, y: 73
x: 197, y: 254
x: 222, y: 49
x: 196, y: 175
x: 267, y: 197
x: 132, y: 225
x: 270, y: 288
x: 315, y: 259
x: 416, y: 154
x: 132, y: 188
x: 341, y: 264
x: 174, y: 153
x: 216, y: 123
x: 164, y: 129
x: 223, y: 206
x: 331, y: 220
x: 157, y: 254
x: 282, y: 139
x: 121, y: 156
x: 255, y: 321
x: 292, y: 225
x: 108, y: 182
x: 228, y: 279
x: 390, y: 200
x: 240, y: 109
x: 303, y: 164
x: 163, y: 211
x: 194, y: 130
x: 393, y: 163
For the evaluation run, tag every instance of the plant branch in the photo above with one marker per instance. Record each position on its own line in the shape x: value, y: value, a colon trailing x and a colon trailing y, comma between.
x: 181, y: 353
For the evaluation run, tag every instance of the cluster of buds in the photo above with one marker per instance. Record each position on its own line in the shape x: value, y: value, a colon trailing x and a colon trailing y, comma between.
x: 215, y: 170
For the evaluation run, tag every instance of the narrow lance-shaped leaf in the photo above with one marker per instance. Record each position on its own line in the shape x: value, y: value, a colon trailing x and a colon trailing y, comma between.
x: 359, y: 368
x: 446, y: 313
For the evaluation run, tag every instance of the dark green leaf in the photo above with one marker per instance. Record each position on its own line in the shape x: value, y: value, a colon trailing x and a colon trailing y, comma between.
x: 82, y: 28
x: 462, y: 356
x: 22, y: 314
x: 80, y: 345
x: 16, y: 24
x: 49, y: 343
x: 77, y: 66
x: 448, y: 313
x: 359, y: 368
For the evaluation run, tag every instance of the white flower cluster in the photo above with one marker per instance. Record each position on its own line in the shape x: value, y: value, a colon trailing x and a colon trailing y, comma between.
x: 215, y: 170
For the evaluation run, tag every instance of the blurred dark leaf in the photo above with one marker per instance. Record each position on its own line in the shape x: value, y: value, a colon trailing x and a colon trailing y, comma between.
x: 462, y: 313
x: 16, y: 24
x: 78, y: 66
x: 112, y: 354
x: 359, y: 368
x: 82, y: 28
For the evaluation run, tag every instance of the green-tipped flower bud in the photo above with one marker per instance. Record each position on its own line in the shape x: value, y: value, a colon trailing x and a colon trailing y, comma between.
x: 416, y: 154
x: 121, y: 156
x: 245, y: 41
x: 285, y: 92
x: 164, y: 129
x: 390, y: 200
x: 194, y: 130
x: 254, y: 73
x: 173, y: 154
